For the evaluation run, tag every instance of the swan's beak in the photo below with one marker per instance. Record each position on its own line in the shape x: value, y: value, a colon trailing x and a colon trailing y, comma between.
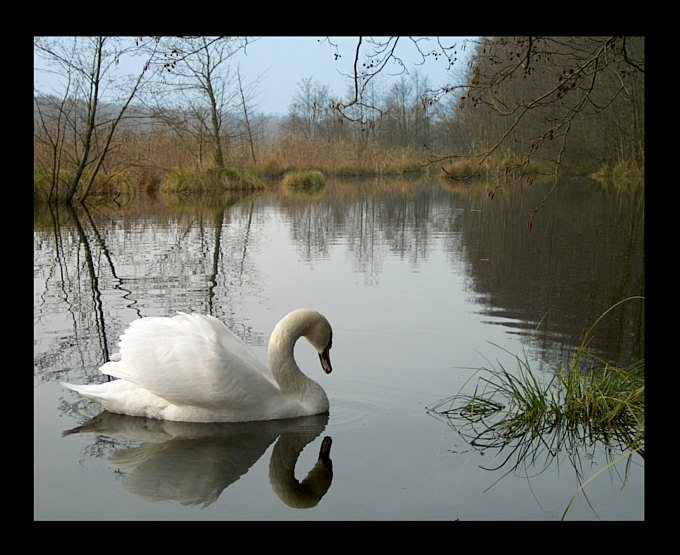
x: 325, y: 358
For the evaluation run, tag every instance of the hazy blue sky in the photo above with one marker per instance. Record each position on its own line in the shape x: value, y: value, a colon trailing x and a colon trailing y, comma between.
x: 281, y: 63
x: 287, y: 60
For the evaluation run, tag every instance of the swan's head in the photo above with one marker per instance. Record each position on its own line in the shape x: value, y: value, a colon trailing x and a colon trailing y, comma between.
x: 325, y: 356
x: 302, y: 323
x: 320, y: 335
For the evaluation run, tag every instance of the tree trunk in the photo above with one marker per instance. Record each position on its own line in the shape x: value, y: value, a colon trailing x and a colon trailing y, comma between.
x: 92, y: 112
x: 111, y: 132
x: 245, y: 117
x: 214, y: 118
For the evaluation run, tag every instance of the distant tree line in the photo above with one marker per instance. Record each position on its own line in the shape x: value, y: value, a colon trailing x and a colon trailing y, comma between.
x: 564, y: 99
x: 580, y: 99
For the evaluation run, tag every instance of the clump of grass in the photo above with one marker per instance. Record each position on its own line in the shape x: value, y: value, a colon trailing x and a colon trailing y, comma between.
x: 586, y: 403
x: 620, y: 170
x: 461, y: 169
x: 598, y: 404
x: 176, y: 180
x: 106, y: 185
x: 500, y: 166
x: 589, y: 401
x: 305, y: 180
x: 184, y: 180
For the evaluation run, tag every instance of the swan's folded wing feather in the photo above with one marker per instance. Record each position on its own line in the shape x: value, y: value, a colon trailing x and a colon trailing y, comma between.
x: 233, y: 344
x: 190, y: 360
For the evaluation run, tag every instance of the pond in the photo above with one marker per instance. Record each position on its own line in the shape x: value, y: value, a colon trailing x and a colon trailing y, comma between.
x: 423, y: 282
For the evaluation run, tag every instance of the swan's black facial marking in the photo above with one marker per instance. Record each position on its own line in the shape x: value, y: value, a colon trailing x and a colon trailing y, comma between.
x: 325, y: 357
x: 325, y: 453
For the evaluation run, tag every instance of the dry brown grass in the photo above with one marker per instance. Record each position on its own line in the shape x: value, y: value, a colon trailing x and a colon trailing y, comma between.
x: 338, y: 158
x: 146, y: 162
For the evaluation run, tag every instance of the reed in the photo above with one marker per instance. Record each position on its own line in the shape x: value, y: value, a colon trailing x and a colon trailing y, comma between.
x: 331, y: 157
x: 588, y: 401
x: 499, y: 166
x: 162, y: 161
x: 599, y: 404
x: 535, y: 415
x: 182, y: 180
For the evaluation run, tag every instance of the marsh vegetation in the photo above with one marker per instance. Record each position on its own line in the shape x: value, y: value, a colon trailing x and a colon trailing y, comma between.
x: 410, y: 198
x: 528, y: 417
x: 520, y: 108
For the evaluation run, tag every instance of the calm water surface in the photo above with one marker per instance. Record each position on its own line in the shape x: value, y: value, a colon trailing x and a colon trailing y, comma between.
x: 423, y: 283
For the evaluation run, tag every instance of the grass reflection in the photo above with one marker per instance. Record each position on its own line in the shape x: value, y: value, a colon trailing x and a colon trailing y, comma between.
x: 531, y: 417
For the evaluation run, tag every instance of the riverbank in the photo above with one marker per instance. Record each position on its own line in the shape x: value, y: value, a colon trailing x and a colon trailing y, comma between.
x: 172, y: 171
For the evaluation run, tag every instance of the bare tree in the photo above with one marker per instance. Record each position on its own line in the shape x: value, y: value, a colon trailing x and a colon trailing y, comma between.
x: 379, y: 55
x: 309, y: 109
x: 88, y: 67
x: 186, y: 120
x: 530, y: 95
x: 52, y: 114
x: 535, y: 95
x: 367, y: 124
x: 244, y: 93
x: 196, y: 70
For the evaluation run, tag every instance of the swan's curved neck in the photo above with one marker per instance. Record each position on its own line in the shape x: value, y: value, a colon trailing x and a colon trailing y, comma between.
x: 297, y: 494
x: 292, y: 381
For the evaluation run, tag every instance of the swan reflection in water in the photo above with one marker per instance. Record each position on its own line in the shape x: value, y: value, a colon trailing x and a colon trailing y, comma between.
x: 194, y: 462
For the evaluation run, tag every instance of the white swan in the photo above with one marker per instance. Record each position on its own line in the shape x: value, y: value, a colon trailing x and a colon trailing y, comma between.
x: 192, y: 368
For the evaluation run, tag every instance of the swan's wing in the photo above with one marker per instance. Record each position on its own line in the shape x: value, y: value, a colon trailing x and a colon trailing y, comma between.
x: 191, y: 359
x: 232, y: 343
x: 191, y: 472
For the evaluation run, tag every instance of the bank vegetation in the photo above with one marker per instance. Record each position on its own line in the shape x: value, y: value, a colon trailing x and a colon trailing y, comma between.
x: 187, y: 122
x: 529, y: 417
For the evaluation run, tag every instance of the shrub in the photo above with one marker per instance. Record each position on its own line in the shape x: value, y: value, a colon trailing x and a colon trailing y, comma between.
x: 306, y: 180
x: 211, y: 181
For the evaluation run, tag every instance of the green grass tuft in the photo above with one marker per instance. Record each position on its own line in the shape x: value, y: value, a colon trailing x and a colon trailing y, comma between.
x: 182, y: 180
x: 537, y: 415
x: 305, y: 180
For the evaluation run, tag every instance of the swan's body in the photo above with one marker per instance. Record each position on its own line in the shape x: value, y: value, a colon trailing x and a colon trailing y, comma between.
x: 192, y: 368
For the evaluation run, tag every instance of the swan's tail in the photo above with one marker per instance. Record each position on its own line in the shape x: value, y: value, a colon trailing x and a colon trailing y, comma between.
x: 89, y: 391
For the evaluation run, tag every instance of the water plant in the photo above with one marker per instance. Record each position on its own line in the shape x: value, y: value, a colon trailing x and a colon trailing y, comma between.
x: 600, y: 404
x: 532, y: 415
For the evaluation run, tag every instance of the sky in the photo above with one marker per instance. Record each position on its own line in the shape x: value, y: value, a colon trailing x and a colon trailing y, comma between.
x: 279, y: 64
x: 285, y: 61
